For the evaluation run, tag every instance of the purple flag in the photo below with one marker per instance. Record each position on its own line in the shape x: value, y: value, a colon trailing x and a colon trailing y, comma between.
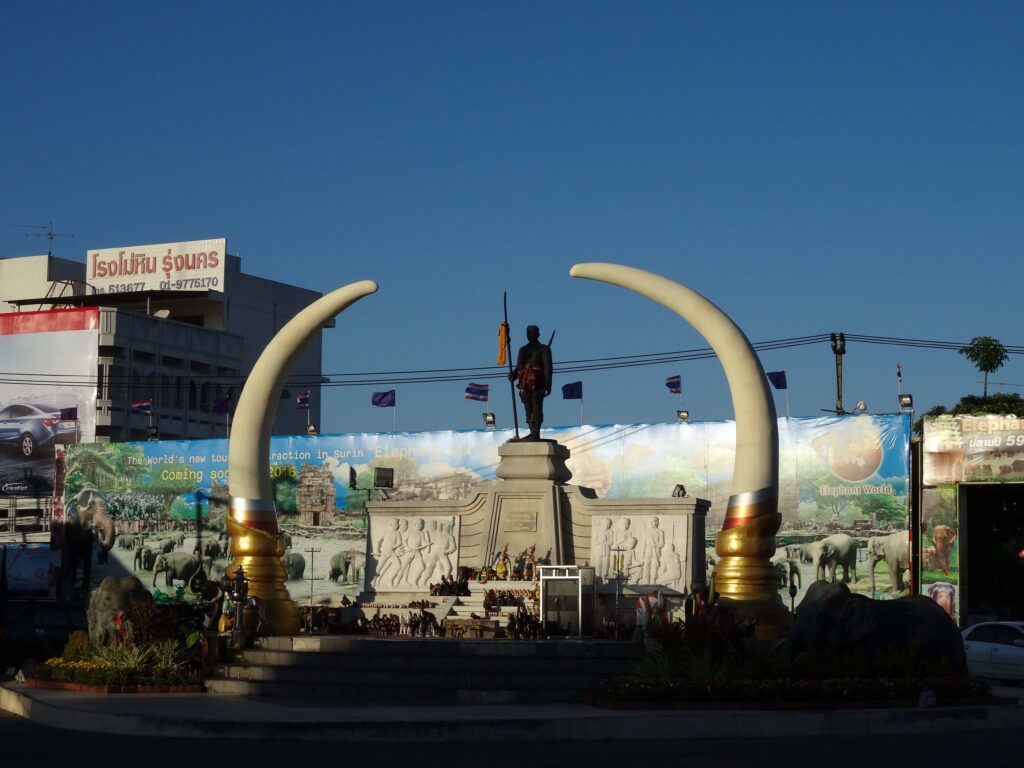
x: 777, y: 378
x: 384, y: 399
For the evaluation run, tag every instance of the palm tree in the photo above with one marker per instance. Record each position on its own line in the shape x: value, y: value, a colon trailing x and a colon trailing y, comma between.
x: 987, y: 354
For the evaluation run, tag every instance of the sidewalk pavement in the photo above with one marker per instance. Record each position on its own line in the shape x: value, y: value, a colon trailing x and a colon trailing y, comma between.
x: 222, y: 716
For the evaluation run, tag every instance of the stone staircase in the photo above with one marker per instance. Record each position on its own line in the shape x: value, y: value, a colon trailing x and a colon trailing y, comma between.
x: 360, y: 669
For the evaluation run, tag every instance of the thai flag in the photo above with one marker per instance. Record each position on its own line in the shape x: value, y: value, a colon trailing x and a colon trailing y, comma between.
x: 899, y: 374
x: 778, y: 379
x: 69, y: 414
x: 302, y: 401
x: 143, y: 406
x: 675, y: 384
x: 477, y: 392
x: 572, y: 391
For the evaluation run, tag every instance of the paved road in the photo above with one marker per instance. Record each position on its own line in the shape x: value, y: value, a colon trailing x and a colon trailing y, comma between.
x: 28, y: 745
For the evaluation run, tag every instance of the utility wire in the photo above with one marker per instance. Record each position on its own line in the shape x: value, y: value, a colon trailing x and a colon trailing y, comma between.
x: 443, y: 375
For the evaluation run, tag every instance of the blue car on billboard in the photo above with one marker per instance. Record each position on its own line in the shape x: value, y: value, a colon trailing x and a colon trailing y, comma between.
x: 33, y: 427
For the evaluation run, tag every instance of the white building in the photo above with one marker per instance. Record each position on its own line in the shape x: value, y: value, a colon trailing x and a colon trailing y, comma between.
x: 183, y: 349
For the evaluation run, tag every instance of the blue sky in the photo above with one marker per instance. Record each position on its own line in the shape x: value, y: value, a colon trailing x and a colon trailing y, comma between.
x: 809, y: 167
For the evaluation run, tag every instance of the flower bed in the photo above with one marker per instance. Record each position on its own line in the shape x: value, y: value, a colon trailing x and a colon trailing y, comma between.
x: 104, y: 674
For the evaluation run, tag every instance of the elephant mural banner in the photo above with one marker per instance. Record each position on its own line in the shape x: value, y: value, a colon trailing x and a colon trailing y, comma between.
x: 838, y: 475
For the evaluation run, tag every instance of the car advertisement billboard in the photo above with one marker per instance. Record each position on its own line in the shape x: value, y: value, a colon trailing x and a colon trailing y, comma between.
x: 196, y: 265
x: 47, y: 393
x: 843, y: 479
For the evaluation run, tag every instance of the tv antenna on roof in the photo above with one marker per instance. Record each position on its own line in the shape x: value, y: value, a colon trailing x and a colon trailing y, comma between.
x: 49, y: 234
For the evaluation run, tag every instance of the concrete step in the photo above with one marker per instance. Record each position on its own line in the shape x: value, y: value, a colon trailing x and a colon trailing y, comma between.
x: 376, y: 695
x: 358, y: 668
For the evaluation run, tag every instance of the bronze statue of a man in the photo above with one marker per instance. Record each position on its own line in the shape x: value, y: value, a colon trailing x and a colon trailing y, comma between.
x: 533, y: 371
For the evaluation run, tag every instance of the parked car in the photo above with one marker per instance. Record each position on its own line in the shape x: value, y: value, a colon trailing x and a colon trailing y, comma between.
x: 32, y: 427
x: 995, y: 650
x: 36, y: 629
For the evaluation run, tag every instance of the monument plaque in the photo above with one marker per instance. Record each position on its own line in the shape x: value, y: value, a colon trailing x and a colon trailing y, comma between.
x: 519, y: 521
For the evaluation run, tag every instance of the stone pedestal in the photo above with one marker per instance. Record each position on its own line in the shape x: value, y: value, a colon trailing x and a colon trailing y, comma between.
x: 532, y: 505
x: 538, y: 460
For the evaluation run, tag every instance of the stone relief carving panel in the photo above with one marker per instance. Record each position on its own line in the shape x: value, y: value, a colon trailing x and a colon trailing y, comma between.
x: 411, y: 553
x: 639, y: 549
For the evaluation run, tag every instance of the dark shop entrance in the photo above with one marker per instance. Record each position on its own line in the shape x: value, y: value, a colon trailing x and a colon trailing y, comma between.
x: 992, y: 551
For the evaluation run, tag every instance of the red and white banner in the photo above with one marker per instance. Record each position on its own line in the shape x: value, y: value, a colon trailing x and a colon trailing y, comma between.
x: 196, y: 265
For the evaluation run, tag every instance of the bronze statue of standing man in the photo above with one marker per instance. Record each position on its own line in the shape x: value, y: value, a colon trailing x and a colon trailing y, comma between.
x: 533, y: 372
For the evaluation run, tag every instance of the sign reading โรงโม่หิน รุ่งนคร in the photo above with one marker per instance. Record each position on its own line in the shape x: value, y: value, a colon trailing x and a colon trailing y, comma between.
x: 197, y: 265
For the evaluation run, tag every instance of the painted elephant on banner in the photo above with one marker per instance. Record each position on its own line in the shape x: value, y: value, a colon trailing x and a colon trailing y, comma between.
x: 943, y: 537
x: 176, y: 565
x: 87, y: 519
x: 831, y: 620
x: 294, y: 565
x: 836, y: 550
x: 348, y: 567
x: 894, y: 549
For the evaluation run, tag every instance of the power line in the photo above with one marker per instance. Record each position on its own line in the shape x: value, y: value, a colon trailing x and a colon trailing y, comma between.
x: 444, y: 375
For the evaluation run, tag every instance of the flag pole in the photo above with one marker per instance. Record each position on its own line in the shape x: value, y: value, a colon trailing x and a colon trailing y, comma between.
x: 394, y: 418
x: 508, y: 354
x: 581, y: 410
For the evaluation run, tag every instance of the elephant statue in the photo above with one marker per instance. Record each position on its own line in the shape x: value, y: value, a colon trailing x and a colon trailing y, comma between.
x: 835, y: 550
x: 86, y: 518
x: 176, y: 565
x: 833, y: 621
x: 894, y: 549
x: 294, y: 565
x: 110, y: 598
x: 943, y: 537
x: 348, y: 567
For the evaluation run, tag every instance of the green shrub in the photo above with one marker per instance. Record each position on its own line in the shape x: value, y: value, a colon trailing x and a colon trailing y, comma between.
x: 78, y: 647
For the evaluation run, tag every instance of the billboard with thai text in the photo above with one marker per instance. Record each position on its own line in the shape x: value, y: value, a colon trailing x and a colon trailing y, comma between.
x: 196, y: 265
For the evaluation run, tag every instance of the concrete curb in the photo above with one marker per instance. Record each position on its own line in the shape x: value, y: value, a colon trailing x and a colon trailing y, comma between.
x: 237, y: 717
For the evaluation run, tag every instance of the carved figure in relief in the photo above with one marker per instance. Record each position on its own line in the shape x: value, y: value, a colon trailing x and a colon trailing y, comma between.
x: 672, y: 568
x: 387, y: 552
x: 415, y: 542
x: 602, y: 547
x: 654, y: 542
x: 449, y: 546
x: 430, y: 555
x: 625, y: 543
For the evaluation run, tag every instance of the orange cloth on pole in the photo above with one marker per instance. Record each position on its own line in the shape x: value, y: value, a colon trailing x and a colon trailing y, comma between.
x: 502, y: 343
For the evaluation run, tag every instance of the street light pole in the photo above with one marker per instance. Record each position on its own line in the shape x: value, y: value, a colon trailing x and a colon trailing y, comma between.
x: 839, y: 349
